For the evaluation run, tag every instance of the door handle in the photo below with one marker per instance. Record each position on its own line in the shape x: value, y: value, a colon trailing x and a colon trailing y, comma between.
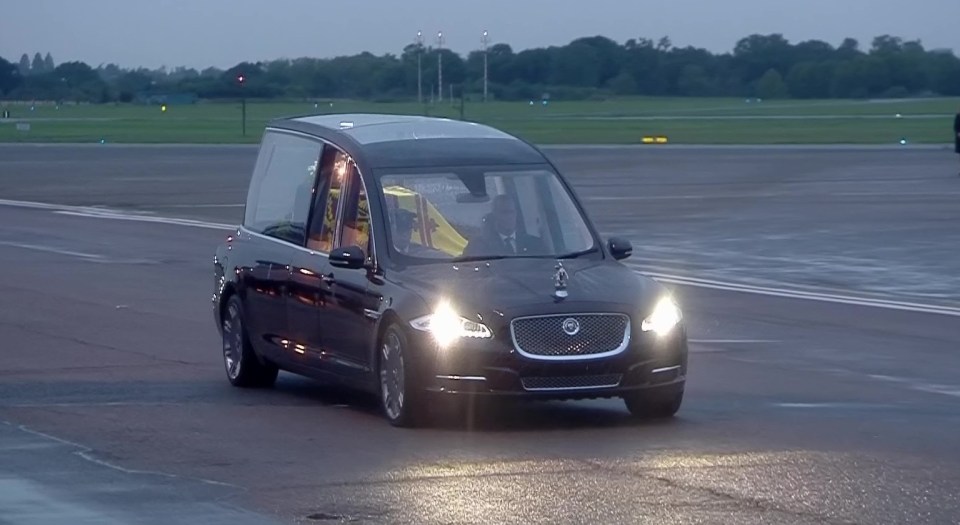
x: 327, y: 278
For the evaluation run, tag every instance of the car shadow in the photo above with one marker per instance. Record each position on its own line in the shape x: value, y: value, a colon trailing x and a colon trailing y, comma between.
x: 477, y: 414
x: 537, y: 416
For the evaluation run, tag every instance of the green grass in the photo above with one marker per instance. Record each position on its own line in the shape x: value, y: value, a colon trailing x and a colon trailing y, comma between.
x: 683, y: 120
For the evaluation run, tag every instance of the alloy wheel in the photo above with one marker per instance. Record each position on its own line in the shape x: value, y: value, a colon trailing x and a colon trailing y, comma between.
x: 232, y: 342
x: 392, y: 375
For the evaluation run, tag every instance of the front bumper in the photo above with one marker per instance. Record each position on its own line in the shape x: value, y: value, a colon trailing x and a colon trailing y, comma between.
x: 492, y: 368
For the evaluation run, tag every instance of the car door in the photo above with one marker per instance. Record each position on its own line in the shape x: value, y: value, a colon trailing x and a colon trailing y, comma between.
x: 263, y: 281
x: 261, y: 262
x: 354, y: 304
x: 275, y: 221
x: 310, y: 289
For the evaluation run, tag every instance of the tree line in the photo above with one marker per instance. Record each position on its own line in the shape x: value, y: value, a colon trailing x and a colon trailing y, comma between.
x: 766, y: 66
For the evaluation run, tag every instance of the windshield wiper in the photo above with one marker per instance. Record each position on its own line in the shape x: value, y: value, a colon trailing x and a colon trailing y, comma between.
x: 574, y: 255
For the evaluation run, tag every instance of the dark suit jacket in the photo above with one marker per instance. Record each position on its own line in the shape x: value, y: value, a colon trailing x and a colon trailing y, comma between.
x: 490, y: 243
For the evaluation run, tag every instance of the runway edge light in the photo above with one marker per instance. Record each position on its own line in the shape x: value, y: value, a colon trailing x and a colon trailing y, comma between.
x: 655, y: 140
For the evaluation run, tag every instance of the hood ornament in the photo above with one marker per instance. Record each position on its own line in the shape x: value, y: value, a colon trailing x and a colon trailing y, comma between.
x: 560, y: 279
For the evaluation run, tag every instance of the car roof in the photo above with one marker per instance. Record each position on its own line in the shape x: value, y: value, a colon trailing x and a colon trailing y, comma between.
x: 400, y: 141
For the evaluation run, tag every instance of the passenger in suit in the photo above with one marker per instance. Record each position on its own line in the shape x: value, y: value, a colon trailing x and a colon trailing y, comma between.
x: 499, y: 234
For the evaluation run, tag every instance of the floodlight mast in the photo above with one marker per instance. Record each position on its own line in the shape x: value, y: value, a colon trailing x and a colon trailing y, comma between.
x: 439, y: 66
x: 485, y: 40
x: 243, y: 105
x: 419, y: 67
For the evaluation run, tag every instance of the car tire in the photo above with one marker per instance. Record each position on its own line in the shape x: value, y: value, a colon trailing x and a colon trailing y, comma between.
x: 401, y: 403
x: 244, y: 368
x: 654, y: 405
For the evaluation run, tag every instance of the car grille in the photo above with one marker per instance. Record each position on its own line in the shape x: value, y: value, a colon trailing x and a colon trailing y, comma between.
x: 544, y: 337
x: 570, y: 382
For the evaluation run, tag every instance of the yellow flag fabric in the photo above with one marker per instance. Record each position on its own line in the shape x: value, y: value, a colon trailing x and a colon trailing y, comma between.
x: 431, y: 228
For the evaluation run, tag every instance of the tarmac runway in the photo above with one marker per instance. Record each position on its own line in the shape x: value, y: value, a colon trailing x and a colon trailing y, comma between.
x: 821, y: 288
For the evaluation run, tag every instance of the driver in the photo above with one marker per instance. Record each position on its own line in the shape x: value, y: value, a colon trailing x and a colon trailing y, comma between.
x: 499, y: 234
x: 403, y: 228
x: 404, y: 222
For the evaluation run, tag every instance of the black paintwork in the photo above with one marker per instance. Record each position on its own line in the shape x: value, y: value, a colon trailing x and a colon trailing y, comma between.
x: 320, y: 316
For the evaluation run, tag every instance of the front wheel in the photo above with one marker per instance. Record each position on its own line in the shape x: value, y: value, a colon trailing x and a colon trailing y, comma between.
x: 244, y: 368
x: 400, y: 400
x: 654, y: 404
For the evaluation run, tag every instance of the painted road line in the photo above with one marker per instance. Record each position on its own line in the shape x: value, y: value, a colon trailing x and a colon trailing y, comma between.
x: 556, y: 147
x: 88, y: 454
x: 51, y: 249
x: 836, y: 405
x: 920, y: 386
x: 142, y: 218
x: 45, y: 205
x: 804, y: 295
x: 731, y: 341
x: 103, y: 213
x: 120, y: 215
x: 198, y: 205
x: 764, y: 195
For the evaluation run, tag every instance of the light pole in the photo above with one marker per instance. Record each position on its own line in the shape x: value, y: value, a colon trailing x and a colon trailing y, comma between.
x: 439, y: 66
x: 485, y: 40
x: 243, y: 105
x: 419, y: 70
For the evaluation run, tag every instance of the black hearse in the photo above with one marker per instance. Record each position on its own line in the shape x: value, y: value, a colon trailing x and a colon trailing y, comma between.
x: 416, y: 257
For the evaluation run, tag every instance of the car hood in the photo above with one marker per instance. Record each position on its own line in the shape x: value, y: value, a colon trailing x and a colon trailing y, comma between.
x: 523, y: 286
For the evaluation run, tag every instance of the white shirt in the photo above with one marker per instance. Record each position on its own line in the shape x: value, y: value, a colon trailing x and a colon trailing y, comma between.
x: 510, y: 240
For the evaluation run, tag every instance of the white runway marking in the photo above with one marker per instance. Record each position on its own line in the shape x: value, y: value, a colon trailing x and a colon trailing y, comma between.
x: 103, y: 213
x: 144, y: 218
x: 560, y: 147
x: 920, y: 386
x: 804, y: 295
x: 51, y: 249
x: 731, y: 341
x: 119, y: 215
x: 200, y: 206
x: 744, y: 195
x: 832, y: 405
x: 88, y: 454
x: 90, y: 405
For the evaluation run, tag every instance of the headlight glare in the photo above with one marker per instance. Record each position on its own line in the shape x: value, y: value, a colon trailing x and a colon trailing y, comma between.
x: 447, y: 326
x: 666, y: 315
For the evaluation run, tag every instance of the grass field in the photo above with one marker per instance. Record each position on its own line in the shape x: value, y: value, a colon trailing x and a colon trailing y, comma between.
x: 622, y: 121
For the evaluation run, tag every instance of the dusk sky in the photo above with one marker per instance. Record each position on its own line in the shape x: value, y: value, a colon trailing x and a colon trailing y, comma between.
x: 201, y: 33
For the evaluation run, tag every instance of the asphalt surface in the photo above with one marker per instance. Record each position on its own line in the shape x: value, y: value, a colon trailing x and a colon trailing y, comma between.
x: 816, y: 394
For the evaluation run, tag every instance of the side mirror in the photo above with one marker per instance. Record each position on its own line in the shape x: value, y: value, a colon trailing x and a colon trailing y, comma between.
x: 620, y: 248
x: 348, y: 257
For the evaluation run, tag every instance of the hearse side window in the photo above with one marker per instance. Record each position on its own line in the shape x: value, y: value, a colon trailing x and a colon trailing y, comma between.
x: 334, y: 168
x: 355, y: 226
x: 282, y: 188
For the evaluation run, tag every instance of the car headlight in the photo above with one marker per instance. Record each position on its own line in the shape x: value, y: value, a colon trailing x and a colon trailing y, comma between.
x: 447, y: 326
x: 666, y: 315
